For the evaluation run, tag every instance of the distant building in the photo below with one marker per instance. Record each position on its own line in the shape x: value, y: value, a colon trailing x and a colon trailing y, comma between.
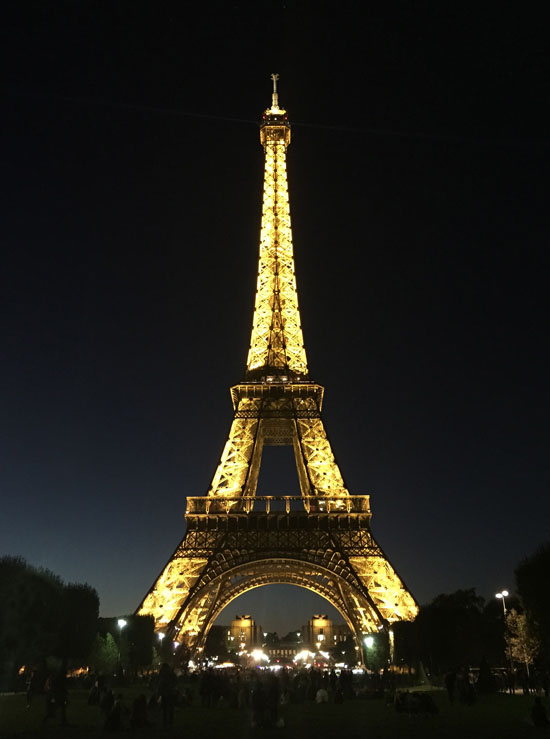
x: 243, y: 634
x: 321, y: 633
x: 283, y: 652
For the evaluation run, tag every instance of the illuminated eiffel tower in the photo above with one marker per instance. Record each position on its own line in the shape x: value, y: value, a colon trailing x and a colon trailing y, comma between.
x: 235, y: 540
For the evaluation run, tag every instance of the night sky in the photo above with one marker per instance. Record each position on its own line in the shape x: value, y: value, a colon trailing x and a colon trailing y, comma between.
x: 132, y: 182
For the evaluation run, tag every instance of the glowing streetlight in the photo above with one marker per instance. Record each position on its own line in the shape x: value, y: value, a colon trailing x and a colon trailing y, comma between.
x: 259, y: 656
x: 121, y: 623
x: 502, y: 596
x: 368, y: 641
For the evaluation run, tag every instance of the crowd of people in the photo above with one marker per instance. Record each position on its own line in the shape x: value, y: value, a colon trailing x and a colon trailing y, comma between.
x: 263, y: 694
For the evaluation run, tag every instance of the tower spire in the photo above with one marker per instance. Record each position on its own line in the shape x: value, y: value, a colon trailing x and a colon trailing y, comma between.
x: 275, y: 97
x: 276, y: 343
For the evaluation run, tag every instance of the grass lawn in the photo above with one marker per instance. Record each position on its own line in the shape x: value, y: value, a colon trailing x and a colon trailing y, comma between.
x: 492, y: 716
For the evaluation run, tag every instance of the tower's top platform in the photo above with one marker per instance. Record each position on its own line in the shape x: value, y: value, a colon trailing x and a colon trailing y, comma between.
x: 275, y: 126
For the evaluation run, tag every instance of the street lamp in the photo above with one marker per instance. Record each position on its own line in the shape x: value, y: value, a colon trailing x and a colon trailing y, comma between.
x: 368, y: 641
x: 502, y: 596
x: 121, y: 624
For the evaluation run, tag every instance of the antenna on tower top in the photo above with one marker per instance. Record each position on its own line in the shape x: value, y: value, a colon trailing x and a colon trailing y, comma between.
x: 274, y: 97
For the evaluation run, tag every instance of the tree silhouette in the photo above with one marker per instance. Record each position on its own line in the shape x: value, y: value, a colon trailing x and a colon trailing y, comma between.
x: 521, y: 644
x: 40, y: 617
x: 103, y: 656
x: 532, y: 584
x: 450, y: 630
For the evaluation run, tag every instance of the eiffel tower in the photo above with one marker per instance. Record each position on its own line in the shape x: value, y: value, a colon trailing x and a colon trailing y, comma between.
x: 235, y: 540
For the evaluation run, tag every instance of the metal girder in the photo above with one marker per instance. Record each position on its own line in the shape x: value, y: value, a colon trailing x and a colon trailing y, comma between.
x: 292, y: 420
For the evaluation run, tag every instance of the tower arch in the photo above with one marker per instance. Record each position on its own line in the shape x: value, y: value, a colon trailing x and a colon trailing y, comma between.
x: 260, y: 573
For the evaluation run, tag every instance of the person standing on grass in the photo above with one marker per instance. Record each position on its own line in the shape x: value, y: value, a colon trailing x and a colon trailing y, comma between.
x: 139, y: 718
x: 538, y: 714
x: 55, y: 690
x: 273, y: 695
x: 257, y: 703
x: 117, y: 716
x: 167, y: 692
x: 450, y: 684
x: 50, y: 699
x: 61, y: 695
x: 31, y: 686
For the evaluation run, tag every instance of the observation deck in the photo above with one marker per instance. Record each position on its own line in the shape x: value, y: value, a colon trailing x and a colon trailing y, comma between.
x: 275, y: 387
x: 278, y: 511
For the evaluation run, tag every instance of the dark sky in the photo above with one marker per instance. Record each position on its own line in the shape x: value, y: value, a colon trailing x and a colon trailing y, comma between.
x: 132, y: 175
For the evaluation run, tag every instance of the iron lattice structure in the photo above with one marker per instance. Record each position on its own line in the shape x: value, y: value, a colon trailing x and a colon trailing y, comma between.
x: 236, y: 540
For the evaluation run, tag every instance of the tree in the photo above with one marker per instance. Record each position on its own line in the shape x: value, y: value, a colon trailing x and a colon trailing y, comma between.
x: 79, y: 623
x: 134, y: 641
x: 406, y: 643
x: 376, y: 656
x: 345, y: 651
x: 493, y: 629
x: 292, y: 637
x: 521, y: 644
x: 41, y: 617
x: 450, y: 630
x: 30, y: 612
x: 532, y: 579
x: 141, y: 631
x: 104, y: 655
x: 216, y: 642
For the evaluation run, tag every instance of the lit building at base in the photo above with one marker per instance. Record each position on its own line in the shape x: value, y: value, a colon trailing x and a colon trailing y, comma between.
x: 243, y: 634
x: 321, y: 633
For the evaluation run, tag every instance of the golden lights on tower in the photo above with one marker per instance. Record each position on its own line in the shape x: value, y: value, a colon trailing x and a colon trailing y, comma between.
x: 235, y: 540
x: 276, y: 342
